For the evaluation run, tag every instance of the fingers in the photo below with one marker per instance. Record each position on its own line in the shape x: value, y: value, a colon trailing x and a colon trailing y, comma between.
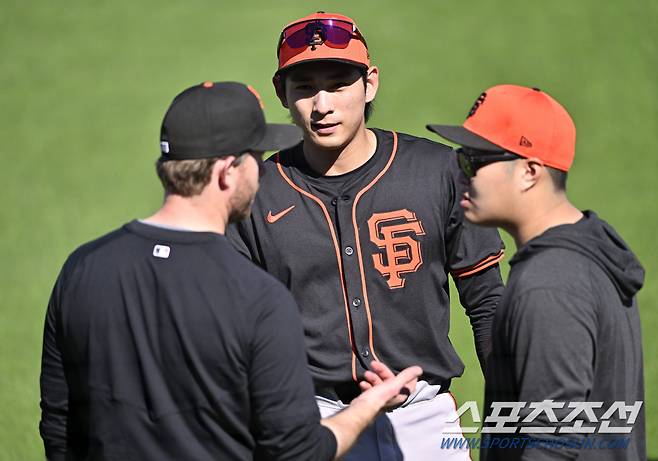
x: 384, y: 390
x: 378, y: 375
x: 383, y: 373
x: 370, y: 379
x: 382, y: 370
x: 373, y: 378
x: 405, y: 380
x: 395, y: 402
x: 409, y: 374
x: 365, y: 385
x: 404, y: 383
x: 382, y: 385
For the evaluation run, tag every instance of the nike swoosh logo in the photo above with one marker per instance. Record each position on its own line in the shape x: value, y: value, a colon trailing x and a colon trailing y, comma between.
x: 272, y: 218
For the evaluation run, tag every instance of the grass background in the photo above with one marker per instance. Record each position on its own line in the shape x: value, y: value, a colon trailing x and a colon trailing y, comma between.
x: 84, y: 85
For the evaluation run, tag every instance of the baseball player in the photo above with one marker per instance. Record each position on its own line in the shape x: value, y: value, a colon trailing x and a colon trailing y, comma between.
x: 161, y: 342
x: 567, y: 330
x: 364, y: 227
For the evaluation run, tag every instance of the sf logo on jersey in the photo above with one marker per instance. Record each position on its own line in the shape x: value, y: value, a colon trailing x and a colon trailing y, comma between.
x: 393, y: 232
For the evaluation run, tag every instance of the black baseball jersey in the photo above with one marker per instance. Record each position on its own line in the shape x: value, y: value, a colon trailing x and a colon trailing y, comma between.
x: 169, y: 345
x: 367, y: 256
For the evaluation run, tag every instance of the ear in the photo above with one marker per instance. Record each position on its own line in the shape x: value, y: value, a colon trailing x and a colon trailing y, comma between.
x: 532, y: 171
x: 372, y: 83
x: 223, y: 174
x: 280, y: 89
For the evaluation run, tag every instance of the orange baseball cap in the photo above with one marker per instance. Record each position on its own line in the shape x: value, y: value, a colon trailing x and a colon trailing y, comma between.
x: 524, y: 121
x: 322, y: 36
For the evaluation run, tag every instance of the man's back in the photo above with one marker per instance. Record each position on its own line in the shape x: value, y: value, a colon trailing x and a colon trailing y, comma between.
x: 167, y: 339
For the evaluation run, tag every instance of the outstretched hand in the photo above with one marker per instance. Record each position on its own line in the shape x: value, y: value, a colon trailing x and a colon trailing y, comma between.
x: 383, y: 385
x: 382, y: 390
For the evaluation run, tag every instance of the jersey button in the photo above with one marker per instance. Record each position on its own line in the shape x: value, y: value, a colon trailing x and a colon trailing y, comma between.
x: 365, y: 353
x: 349, y: 251
x: 356, y: 302
x: 334, y: 201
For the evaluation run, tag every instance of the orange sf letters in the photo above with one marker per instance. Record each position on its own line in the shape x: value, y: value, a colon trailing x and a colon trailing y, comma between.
x: 392, y: 232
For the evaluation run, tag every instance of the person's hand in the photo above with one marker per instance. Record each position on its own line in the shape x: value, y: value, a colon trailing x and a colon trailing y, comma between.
x: 389, y: 390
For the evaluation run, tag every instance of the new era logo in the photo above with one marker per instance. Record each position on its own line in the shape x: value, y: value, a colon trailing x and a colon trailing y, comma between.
x: 161, y: 251
x: 525, y: 142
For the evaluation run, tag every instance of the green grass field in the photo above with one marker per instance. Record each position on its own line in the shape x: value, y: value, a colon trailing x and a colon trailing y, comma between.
x: 84, y: 86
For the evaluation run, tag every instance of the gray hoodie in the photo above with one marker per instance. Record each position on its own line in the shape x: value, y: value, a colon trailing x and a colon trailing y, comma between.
x: 567, y: 329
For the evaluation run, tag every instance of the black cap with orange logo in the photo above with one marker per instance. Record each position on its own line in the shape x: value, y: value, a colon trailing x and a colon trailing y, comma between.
x: 215, y: 119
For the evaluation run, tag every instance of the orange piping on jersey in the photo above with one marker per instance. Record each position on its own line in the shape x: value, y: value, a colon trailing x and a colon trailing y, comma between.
x: 336, y: 248
x: 358, y: 241
x: 480, y: 266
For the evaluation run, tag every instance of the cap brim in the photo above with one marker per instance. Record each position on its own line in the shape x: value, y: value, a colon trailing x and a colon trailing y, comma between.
x: 460, y: 135
x: 308, y: 61
x: 279, y: 136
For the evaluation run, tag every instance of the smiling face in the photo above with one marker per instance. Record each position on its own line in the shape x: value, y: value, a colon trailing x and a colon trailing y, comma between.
x: 327, y: 100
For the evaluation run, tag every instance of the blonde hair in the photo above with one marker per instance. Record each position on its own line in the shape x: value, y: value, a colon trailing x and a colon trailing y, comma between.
x: 186, y: 178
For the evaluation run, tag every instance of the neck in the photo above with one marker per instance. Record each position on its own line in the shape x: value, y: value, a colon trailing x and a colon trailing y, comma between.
x: 191, y: 213
x: 334, y: 162
x: 535, y: 220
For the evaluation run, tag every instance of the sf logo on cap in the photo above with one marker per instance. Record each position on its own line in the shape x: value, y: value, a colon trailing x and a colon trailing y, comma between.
x: 476, y: 105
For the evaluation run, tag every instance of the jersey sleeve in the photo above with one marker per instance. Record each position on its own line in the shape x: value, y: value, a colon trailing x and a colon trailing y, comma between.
x: 285, y: 415
x: 473, y: 254
x: 480, y: 294
x: 469, y: 248
x: 54, y: 388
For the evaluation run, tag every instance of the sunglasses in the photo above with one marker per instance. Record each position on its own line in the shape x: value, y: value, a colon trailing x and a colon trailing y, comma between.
x: 471, y: 160
x: 335, y: 33
x: 256, y: 155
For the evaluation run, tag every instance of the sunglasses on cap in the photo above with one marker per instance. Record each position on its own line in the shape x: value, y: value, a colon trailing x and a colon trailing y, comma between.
x: 334, y: 33
x: 471, y: 160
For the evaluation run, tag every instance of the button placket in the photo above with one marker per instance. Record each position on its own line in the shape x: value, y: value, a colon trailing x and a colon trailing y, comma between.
x: 352, y: 275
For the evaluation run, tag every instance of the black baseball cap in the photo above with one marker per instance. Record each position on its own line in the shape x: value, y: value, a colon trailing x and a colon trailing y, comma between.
x: 215, y: 119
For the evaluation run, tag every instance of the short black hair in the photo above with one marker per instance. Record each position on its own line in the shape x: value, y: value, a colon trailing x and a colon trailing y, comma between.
x: 367, y: 111
x: 559, y: 178
x: 369, y: 108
